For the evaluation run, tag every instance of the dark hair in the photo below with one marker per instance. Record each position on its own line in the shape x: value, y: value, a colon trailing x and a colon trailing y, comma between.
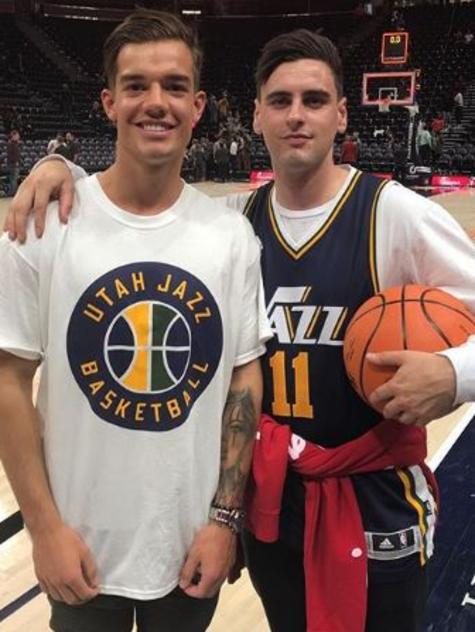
x: 296, y: 45
x: 144, y: 26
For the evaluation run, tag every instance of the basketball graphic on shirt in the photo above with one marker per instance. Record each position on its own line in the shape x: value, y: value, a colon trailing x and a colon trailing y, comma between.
x: 144, y: 342
x: 148, y: 346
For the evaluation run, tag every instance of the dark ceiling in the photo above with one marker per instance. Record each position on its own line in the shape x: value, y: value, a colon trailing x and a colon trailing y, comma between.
x: 219, y: 7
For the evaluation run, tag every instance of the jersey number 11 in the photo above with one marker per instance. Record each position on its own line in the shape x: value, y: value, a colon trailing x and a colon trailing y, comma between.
x: 301, y: 407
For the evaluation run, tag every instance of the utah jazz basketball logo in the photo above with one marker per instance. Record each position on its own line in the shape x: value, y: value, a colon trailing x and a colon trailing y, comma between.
x: 147, y: 347
x: 144, y: 342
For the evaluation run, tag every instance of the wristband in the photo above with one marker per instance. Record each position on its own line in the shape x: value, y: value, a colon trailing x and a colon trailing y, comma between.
x: 232, y: 518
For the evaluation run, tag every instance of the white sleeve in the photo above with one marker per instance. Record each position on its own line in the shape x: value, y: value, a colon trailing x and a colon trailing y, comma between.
x: 236, y: 201
x: 463, y: 361
x: 417, y: 241
x: 76, y: 171
x: 20, y: 331
x: 254, y: 325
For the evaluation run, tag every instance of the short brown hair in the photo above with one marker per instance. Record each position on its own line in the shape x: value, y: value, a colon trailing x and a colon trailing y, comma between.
x: 296, y: 45
x: 144, y: 26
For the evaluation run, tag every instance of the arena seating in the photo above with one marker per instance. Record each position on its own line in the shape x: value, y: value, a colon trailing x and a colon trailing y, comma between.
x: 41, y: 100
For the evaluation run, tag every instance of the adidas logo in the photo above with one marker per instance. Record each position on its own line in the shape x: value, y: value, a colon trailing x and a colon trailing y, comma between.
x: 386, y: 544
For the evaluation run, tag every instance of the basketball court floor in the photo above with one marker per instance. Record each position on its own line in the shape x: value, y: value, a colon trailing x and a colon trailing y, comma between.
x: 451, y: 440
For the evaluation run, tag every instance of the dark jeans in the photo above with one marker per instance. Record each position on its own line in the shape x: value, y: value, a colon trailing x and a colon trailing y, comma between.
x: 277, y: 574
x: 13, y: 177
x: 176, y: 612
x: 222, y: 171
x: 425, y: 154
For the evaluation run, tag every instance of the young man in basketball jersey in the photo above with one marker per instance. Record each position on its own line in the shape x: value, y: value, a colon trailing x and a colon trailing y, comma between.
x: 130, y: 472
x: 331, y: 237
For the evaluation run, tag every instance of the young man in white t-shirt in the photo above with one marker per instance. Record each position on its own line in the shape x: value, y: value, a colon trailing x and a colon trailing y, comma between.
x: 146, y: 317
x: 331, y: 237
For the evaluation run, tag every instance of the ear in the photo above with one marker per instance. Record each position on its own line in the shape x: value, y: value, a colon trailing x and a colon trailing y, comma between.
x: 342, y: 116
x: 256, y: 121
x: 199, y: 107
x: 108, y: 103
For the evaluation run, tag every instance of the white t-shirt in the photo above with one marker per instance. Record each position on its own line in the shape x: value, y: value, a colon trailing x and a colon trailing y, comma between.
x: 139, y: 322
x: 417, y: 241
x: 298, y: 226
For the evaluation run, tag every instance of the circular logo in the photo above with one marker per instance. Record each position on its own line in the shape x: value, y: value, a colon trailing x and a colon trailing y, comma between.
x: 167, y: 354
x: 143, y: 343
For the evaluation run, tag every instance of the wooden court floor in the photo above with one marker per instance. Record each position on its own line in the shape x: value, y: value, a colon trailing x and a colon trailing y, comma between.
x: 239, y: 609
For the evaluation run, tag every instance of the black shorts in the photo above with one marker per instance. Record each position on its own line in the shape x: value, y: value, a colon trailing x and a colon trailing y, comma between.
x: 277, y: 574
x: 176, y: 612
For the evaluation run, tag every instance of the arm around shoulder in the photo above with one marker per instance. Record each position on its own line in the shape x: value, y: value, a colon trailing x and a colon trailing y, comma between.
x: 52, y: 177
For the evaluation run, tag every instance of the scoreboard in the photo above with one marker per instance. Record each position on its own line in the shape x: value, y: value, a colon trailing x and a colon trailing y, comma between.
x: 394, y: 47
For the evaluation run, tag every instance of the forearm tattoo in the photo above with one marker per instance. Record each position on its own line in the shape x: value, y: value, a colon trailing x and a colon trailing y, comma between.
x: 238, y: 433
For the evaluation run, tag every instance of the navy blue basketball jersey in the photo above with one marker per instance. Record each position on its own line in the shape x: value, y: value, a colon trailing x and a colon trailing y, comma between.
x: 311, y: 295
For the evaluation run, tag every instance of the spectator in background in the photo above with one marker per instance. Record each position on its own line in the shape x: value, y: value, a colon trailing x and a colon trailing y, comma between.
x: 388, y: 135
x: 233, y: 155
x: 198, y: 160
x: 213, y: 113
x: 468, y: 37
x: 458, y: 107
x: 223, y: 107
x: 400, y: 160
x: 368, y: 8
x: 208, y: 151
x: 420, y: 126
x: 424, y: 145
x: 95, y: 115
x: 61, y: 147
x: 349, y: 151
x: 244, y: 155
x: 357, y: 139
x: 221, y: 158
x: 438, y: 123
x: 13, y: 161
x: 53, y: 144
x: 73, y: 147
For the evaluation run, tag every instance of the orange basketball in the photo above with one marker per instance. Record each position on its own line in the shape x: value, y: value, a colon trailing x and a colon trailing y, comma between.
x: 410, y: 317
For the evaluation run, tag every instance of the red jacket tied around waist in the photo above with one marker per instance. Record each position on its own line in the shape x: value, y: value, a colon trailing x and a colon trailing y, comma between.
x: 335, y: 558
